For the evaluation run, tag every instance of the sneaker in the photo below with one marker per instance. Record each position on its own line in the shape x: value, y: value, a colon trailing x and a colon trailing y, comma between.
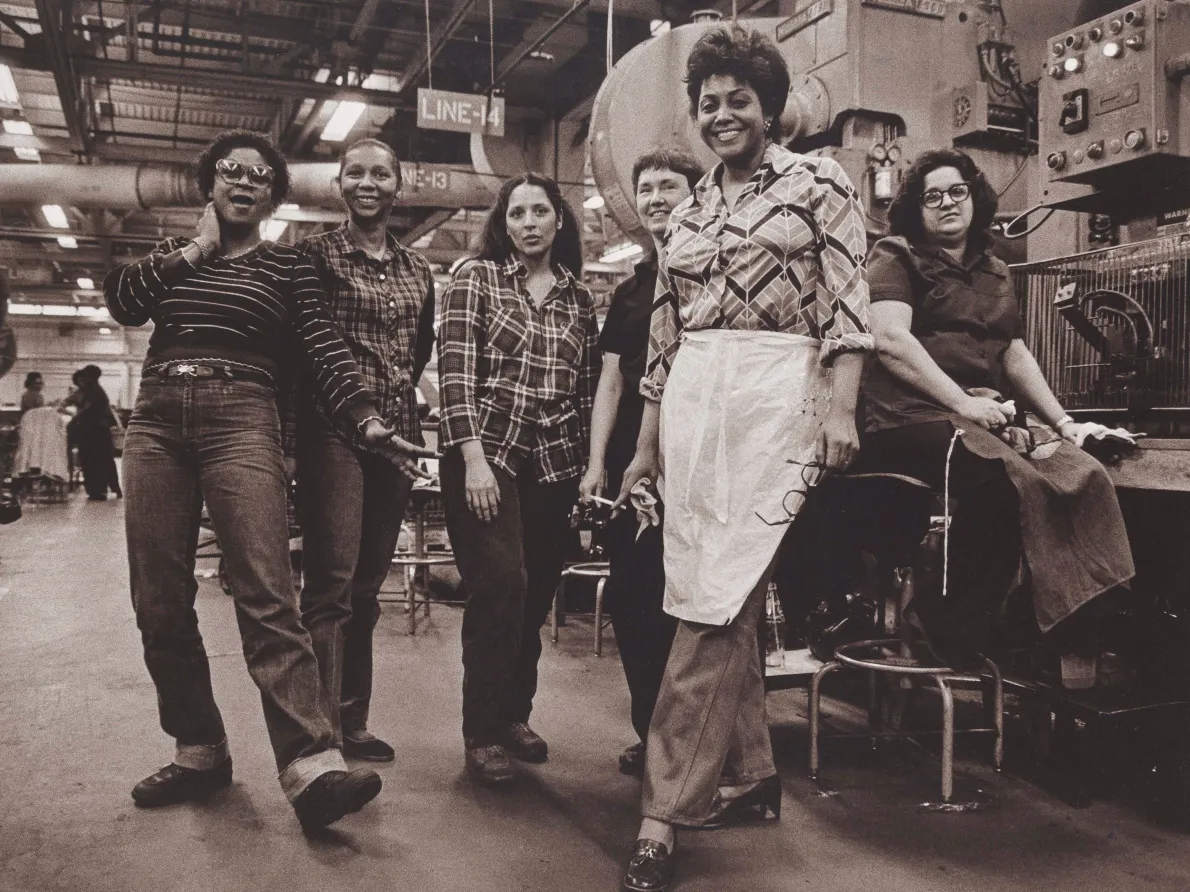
x: 364, y: 745
x: 522, y: 742
x: 489, y: 764
x: 174, y: 784
x: 335, y: 794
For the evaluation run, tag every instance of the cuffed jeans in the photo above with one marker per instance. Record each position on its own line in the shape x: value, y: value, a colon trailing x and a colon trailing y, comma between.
x: 644, y: 631
x: 510, y: 568
x: 351, y: 505
x: 709, y: 720
x: 219, y: 441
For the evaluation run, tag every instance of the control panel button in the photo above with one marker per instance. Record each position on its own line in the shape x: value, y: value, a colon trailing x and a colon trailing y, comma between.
x: 1115, y: 26
x: 1095, y: 34
x: 1074, y: 64
x: 1113, y: 49
x: 1135, y: 139
x: 1078, y: 156
x: 1095, y: 150
x: 1133, y: 41
x: 1115, y: 146
x: 1055, y: 160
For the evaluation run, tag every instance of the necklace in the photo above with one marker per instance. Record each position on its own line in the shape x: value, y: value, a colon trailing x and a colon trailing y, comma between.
x: 241, y: 253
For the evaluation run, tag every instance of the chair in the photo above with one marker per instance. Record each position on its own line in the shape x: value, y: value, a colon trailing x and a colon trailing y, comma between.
x: 892, y: 519
x: 592, y: 570
x: 40, y: 463
x: 423, y: 501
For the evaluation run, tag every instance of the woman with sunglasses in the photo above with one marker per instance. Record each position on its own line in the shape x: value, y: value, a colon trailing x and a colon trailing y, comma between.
x: 949, y: 341
x: 756, y: 348
x: 518, y: 360
x: 230, y: 312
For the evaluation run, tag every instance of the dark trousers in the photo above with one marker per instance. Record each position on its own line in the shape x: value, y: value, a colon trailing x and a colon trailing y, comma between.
x: 985, y: 530
x: 98, y: 460
x: 219, y: 441
x: 351, y: 505
x: 510, y: 568
x: 644, y: 632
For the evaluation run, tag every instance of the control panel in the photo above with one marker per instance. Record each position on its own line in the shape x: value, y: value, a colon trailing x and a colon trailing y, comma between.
x: 1115, y: 95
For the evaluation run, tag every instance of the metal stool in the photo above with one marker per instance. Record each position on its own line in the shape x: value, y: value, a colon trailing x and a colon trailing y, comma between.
x: 416, y: 563
x: 901, y: 657
x: 596, y: 570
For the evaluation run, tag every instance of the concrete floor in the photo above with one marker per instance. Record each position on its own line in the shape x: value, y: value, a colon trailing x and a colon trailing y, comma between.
x: 78, y: 727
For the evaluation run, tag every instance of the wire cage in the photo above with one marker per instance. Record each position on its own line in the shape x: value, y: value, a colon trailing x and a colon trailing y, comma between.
x: 1111, y: 329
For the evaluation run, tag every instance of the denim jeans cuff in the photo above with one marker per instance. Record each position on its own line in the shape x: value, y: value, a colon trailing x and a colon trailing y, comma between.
x: 201, y: 757
x: 300, y: 773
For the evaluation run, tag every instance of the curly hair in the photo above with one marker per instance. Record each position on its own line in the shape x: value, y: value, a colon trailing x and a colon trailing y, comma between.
x: 748, y: 56
x: 222, y: 145
x: 904, y: 215
x: 33, y: 378
x: 668, y: 159
x: 378, y: 143
x: 567, y: 249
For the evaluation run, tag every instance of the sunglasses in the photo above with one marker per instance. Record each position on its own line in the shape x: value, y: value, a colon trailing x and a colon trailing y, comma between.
x: 234, y: 172
x: 793, y: 500
x: 959, y: 192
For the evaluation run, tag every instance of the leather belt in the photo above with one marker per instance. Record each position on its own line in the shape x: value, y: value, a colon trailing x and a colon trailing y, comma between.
x: 179, y: 371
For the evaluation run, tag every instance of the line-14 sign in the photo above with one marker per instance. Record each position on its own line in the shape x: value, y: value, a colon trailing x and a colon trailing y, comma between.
x: 461, y: 112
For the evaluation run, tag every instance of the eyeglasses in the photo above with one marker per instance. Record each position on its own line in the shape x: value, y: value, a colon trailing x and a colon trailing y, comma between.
x: 793, y: 500
x: 959, y: 192
x: 233, y: 172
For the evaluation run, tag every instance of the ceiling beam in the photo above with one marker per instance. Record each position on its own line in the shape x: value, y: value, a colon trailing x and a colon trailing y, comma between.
x: 429, y: 224
x: 51, y: 16
x: 440, y: 36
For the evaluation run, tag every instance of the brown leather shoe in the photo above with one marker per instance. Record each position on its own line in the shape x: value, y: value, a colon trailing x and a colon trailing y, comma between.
x: 367, y: 746
x: 173, y: 784
x: 489, y: 764
x: 632, y: 760
x: 522, y: 742
x: 335, y: 794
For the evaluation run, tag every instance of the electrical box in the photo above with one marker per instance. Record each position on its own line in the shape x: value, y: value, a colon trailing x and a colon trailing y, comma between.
x: 1115, y: 104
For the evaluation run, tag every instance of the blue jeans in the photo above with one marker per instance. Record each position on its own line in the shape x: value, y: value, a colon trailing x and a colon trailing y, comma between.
x: 351, y: 504
x: 196, y: 440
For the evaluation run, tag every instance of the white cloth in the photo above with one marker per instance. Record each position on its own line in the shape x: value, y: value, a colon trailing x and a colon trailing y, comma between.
x: 740, y: 420
x: 42, y: 443
x: 1090, y: 429
x: 645, y: 505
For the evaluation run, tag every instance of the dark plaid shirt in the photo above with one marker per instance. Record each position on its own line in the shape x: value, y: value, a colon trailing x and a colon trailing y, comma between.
x: 518, y: 378
x: 385, y: 310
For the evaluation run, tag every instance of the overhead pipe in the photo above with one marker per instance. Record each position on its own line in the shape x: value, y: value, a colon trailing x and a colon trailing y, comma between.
x: 506, y: 70
x: 145, y: 186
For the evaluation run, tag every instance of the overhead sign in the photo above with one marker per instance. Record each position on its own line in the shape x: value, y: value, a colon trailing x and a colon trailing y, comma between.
x: 429, y: 178
x: 935, y: 9
x: 804, y: 18
x: 460, y: 112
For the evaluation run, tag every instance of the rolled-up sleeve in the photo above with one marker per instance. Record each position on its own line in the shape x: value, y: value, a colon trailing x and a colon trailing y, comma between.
x: 460, y: 342
x: 665, y: 332
x: 843, y: 308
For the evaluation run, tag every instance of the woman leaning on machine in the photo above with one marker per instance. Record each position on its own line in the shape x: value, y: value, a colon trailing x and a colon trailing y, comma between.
x: 229, y: 311
x: 949, y: 341
x: 756, y: 350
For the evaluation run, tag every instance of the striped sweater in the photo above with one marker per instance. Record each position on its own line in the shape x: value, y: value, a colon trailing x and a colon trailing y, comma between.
x: 263, y: 309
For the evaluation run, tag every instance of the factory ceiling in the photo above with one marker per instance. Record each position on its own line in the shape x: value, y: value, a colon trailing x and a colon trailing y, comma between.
x: 151, y: 81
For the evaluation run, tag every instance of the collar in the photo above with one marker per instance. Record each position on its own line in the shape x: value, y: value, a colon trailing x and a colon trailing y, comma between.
x: 772, y: 161
x: 348, y: 246
x: 984, y: 260
x: 514, y: 267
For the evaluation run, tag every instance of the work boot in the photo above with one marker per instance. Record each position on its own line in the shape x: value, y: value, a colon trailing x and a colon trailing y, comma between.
x: 489, y: 764
x: 174, y: 784
x: 522, y: 742
x: 335, y: 794
x: 364, y: 745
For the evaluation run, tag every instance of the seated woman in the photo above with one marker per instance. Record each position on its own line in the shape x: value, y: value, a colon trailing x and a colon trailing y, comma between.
x: 950, y: 350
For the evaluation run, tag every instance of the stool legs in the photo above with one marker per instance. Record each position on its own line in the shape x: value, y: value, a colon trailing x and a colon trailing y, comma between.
x: 815, y: 713
x: 947, y: 737
x: 554, y: 622
x: 599, y: 616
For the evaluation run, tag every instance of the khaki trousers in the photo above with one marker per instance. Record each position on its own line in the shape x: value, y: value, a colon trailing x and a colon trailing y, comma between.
x: 709, y: 720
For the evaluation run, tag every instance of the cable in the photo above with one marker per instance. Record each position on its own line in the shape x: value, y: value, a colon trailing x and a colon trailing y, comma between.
x: 1015, y: 176
x: 429, y: 50
x: 1008, y: 234
x: 958, y: 432
x: 611, y: 21
x: 491, y: 41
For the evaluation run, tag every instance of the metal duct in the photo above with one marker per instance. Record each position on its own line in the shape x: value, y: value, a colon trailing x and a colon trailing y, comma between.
x: 144, y: 186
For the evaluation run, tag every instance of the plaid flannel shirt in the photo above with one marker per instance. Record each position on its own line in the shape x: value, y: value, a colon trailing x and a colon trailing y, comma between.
x: 520, y: 379
x: 385, y: 310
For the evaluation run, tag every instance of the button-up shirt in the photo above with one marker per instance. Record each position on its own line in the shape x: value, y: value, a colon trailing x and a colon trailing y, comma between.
x: 964, y: 314
x: 520, y: 378
x: 788, y: 257
x: 385, y: 309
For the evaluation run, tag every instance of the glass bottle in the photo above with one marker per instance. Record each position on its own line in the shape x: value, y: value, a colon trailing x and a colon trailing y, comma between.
x: 774, y: 639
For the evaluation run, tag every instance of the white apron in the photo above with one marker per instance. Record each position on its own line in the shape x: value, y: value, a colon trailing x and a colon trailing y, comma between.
x: 740, y: 418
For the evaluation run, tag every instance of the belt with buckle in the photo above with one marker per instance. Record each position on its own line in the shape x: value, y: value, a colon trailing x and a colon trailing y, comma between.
x: 179, y: 370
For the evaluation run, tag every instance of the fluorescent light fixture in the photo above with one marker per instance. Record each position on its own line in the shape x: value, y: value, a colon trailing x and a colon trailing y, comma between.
x: 104, y: 330
x: 388, y: 82
x: 271, y: 230
x: 622, y: 251
x: 289, y: 206
x: 55, y: 216
x: 58, y: 310
x: 24, y: 153
x: 24, y: 309
x: 86, y: 283
x: 68, y: 241
x: 322, y: 76
x: 8, y: 87
x: 342, y: 121
x: 594, y: 203
x: 18, y: 128
x: 94, y: 312
x: 657, y: 27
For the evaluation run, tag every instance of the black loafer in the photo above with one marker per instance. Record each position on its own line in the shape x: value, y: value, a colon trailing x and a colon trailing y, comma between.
x: 174, y: 784
x: 650, y: 869
x: 366, y: 746
x: 522, y: 742
x: 632, y: 760
x: 335, y: 794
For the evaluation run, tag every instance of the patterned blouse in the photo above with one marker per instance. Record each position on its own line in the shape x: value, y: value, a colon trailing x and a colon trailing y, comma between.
x: 788, y: 258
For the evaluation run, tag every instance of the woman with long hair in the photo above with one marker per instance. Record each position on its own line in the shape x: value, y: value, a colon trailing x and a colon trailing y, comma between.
x: 230, y: 312
x: 518, y: 361
x: 756, y: 350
